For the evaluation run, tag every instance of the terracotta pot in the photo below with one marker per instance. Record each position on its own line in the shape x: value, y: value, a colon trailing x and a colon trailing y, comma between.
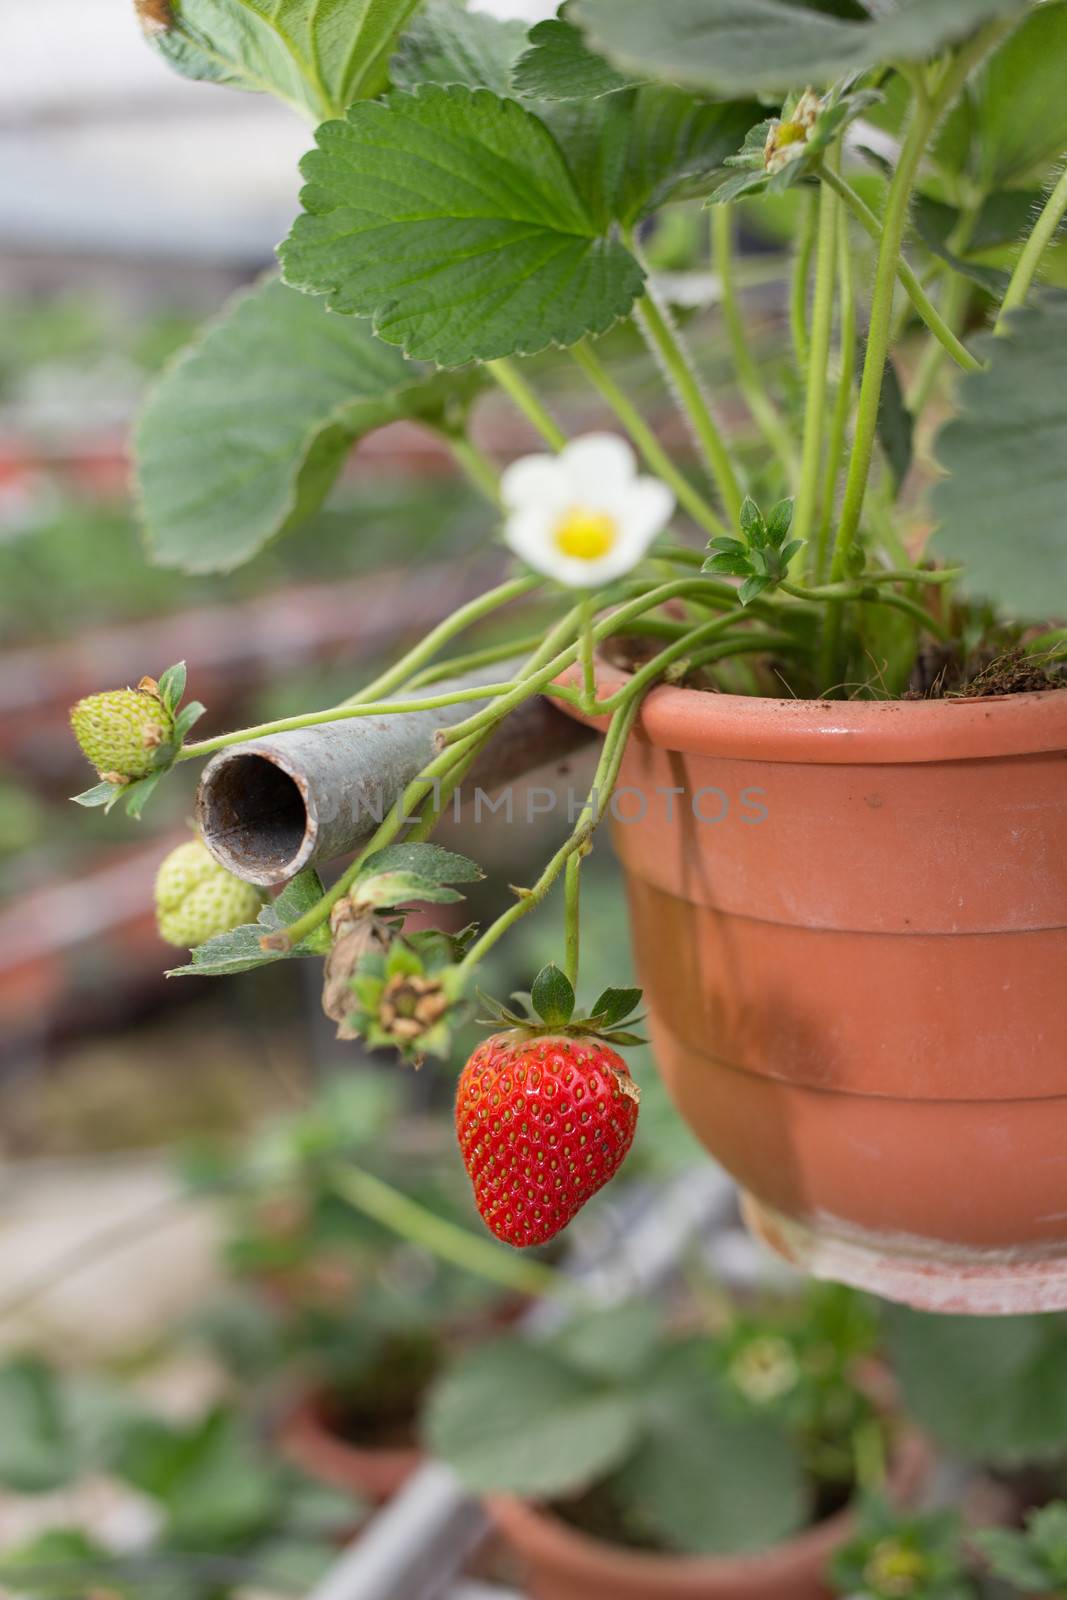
x: 561, y: 1563
x: 851, y: 930
x: 309, y: 1441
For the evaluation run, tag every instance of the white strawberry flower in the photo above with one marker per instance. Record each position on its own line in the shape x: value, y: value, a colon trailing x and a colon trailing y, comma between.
x: 584, y: 516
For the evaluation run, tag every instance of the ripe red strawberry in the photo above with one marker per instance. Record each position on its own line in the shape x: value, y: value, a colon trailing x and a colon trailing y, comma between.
x: 545, y: 1115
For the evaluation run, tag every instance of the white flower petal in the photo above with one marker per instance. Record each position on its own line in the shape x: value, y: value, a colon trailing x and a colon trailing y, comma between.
x: 531, y: 534
x: 647, y: 509
x: 534, y: 479
x: 598, y: 467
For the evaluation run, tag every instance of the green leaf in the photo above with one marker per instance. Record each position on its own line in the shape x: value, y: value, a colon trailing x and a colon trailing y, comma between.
x: 428, y: 861
x: 398, y: 888
x: 514, y: 1419
x: 553, y: 997
x: 448, y: 44
x: 559, y: 65
x: 1001, y: 507
x: 1011, y: 1556
x: 1014, y: 1363
x: 1019, y: 107
x: 627, y: 154
x: 52, y: 1566
x: 316, y: 55
x: 705, y: 1482
x: 35, y: 1453
x: 451, y: 219
x: 213, y: 1481
x: 240, y: 949
x: 674, y: 143
x: 614, y: 1346
x: 935, y: 223
x: 895, y: 426
x: 752, y: 588
x: 242, y: 438
x: 745, y: 46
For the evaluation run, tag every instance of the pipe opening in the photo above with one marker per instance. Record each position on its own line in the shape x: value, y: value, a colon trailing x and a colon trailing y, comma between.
x: 254, y: 818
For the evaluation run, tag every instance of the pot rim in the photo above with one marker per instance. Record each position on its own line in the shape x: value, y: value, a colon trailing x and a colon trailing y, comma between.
x: 838, y: 732
x: 531, y: 1523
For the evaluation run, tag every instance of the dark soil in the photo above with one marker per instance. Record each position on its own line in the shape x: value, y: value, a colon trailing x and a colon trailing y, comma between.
x: 1012, y: 673
x: 381, y: 1411
x: 938, y: 673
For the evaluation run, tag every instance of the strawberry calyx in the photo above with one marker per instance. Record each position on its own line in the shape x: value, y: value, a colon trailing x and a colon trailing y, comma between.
x: 549, y: 1009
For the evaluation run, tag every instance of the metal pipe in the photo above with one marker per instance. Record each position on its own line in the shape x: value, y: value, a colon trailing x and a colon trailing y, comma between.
x: 272, y: 806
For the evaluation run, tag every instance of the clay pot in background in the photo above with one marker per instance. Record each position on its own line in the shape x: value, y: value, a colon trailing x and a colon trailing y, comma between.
x: 374, y: 1473
x: 562, y: 1563
x: 850, y: 923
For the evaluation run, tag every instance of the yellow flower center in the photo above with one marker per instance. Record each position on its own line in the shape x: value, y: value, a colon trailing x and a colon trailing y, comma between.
x: 586, y: 535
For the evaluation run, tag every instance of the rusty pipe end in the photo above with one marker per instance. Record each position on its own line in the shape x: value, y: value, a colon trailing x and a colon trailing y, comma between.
x: 256, y: 815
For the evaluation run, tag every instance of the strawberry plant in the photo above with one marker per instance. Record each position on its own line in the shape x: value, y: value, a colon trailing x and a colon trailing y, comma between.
x: 478, y: 196
x: 661, y: 1439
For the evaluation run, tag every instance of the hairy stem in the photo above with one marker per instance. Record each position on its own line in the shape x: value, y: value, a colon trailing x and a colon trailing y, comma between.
x: 572, y: 887
x: 1043, y: 232
x: 764, y: 411
x: 515, y: 386
x: 822, y: 320
x: 835, y: 453
x: 477, y: 466
x: 645, y: 440
x: 481, y: 606
x: 798, y: 295
x: 667, y: 344
x: 604, y: 780
x: 914, y: 289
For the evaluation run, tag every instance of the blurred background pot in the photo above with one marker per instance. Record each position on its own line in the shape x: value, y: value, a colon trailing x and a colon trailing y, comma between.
x: 563, y: 1563
x: 311, y: 1440
x: 850, y: 923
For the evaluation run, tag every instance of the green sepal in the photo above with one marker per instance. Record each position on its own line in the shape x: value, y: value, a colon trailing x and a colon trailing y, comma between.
x: 172, y: 686
x: 615, y: 1004
x: 553, y: 997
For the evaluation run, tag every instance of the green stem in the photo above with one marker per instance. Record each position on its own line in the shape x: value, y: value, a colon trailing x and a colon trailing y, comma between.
x: 954, y: 302
x: 645, y: 440
x: 515, y: 386
x: 585, y: 636
x: 764, y: 411
x: 572, y: 883
x: 915, y: 291
x: 534, y: 682
x: 822, y: 321
x: 471, y: 660
x: 835, y: 453
x: 530, y: 680
x: 1042, y: 235
x: 839, y: 592
x: 666, y: 343
x: 419, y: 1226
x: 474, y: 610
x: 315, y: 719
x: 477, y: 466
x: 798, y: 296
x: 604, y: 780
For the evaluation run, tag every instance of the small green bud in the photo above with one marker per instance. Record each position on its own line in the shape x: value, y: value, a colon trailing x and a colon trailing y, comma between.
x: 197, y: 899
x: 121, y: 730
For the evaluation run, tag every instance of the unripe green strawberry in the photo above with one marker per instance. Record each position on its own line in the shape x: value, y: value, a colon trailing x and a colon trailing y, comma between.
x: 196, y: 898
x: 120, y: 731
